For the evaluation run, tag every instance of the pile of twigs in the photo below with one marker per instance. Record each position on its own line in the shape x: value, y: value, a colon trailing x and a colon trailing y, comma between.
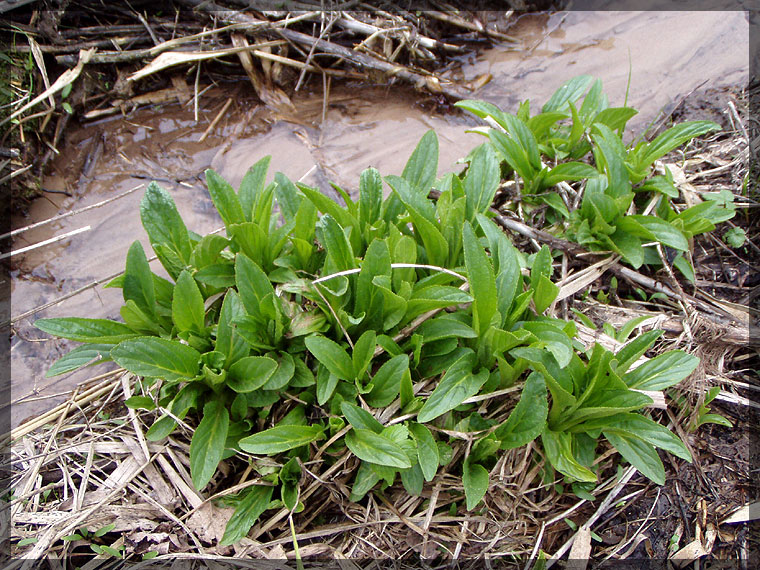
x: 92, y: 59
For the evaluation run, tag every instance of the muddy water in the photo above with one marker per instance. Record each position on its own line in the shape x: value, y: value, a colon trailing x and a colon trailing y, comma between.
x: 669, y: 54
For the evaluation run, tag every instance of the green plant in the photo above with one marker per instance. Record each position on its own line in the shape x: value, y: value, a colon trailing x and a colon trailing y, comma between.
x: 617, y: 204
x: 377, y: 329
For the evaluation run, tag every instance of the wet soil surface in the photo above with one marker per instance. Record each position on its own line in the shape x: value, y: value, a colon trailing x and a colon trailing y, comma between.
x: 669, y: 56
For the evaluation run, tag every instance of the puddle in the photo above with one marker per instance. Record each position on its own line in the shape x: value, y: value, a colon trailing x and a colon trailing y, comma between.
x: 670, y: 54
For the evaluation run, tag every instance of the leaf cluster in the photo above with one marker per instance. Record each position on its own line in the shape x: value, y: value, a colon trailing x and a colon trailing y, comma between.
x: 389, y: 327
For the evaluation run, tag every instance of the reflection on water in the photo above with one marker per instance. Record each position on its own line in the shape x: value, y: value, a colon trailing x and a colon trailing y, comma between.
x: 668, y: 55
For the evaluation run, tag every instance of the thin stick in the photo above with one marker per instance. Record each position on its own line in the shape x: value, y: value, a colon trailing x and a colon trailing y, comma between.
x: 44, y: 243
x: 216, y: 120
x: 67, y: 214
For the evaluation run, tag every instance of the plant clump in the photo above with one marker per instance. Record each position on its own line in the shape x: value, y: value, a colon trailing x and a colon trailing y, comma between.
x: 401, y: 335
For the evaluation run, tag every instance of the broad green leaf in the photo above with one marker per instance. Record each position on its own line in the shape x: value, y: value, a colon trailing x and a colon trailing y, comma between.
x: 280, y: 438
x: 364, y: 350
x: 359, y: 418
x: 643, y: 428
x: 286, y: 368
x: 569, y: 171
x: 100, y: 331
x: 570, y: 91
x: 157, y: 358
x: 475, y: 481
x: 481, y: 182
x: 613, y: 151
x: 422, y: 167
x: 480, y: 276
x: 615, y: 117
x: 528, y: 419
x: 336, y: 244
x: 220, y: 275
x: 544, y: 293
x: 288, y: 198
x: 225, y: 199
x: 482, y: 109
x: 208, y: 443
x: 413, y: 480
x: 327, y: 205
x: 188, y: 312
x: 161, y: 428
x: 434, y: 297
x: 138, y: 321
x: 252, y: 185
x: 331, y: 355
x: 163, y: 223
x: 247, y: 512
x: 513, y: 153
x: 387, y: 381
x: 675, y: 137
x: 79, y: 357
x: 326, y: 384
x: 370, y: 446
x: 138, y: 280
x: 520, y: 132
x: 662, y: 371
x: 458, y: 384
x: 370, y: 196
x: 252, y: 283
x: 436, y: 246
x: 634, y: 349
x: 444, y: 327
x: 207, y: 251
x: 664, y: 232
x: 365, y: 479
x: 250, y: 373
x: 629, y: 246
x: 252, y: 239
x: 558, y: 448
x: 638, y: 453
x: 427, y: 450
x: 228, y: 342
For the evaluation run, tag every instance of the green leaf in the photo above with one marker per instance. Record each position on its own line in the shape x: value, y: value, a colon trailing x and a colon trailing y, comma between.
x: 247, y: 512
x: 286, y: 368
x: 138, y: 280
x: 228, y: 342
x: 331, y: 355
x: 544, y: 293
x: 326, y: 384
x: 735, y: 237
x: 675, y: 137
x: 664, y: 232
x: 100, y: 331
x: 370, y: 196
x: 252, y: 185
x: 633, y: 350
x: 280, y: 438
x: 569, y: 171
x: 328, y: 206
x: 164, y: 225
x: 615, y: 117
x: 208, y: 443
x: 662, y: 371
x: 79, y: 357
x: 220, y: 275
x: 188, y: 311
x: 370, y: 446
x: 250, y: 373
x: 643, y: 428
x: 481, y: 182
x: 387, y: 381
x: 359, y: 418
x: 436, y: 246
x: 422, y: 167
x: 225, y: 199
x: 364, y: 350
x: 513, y: 153
x: 445, y: 326
x: 207, y: 251
x: 570, y: 91
x: 638, y: 453
x: 475, y: 481
x: 336, y: 244
x: 558, y: 448
x: 458, y: 384
x: 528, y: 418
x: 427, y: 450
x: 158, y: 358
x: 480, y: 276
x: 252, y: 283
